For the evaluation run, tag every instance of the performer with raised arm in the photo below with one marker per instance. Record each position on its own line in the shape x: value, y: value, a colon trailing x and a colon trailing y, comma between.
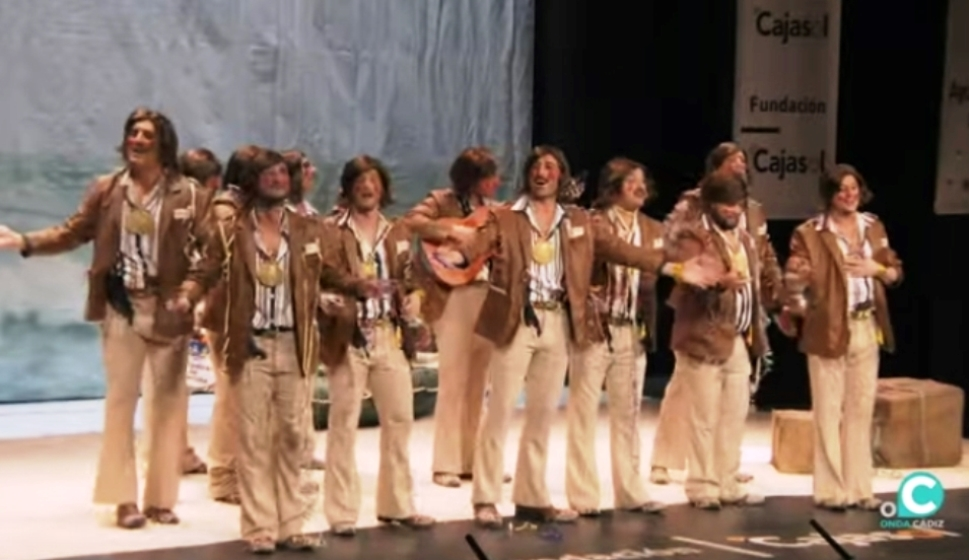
x: 224, y: 435
x: 450, y: 311
x: 716, y: 332
x: 272, y: 264
x: 840, y: 264
x: 671, y: 440
x: 537, y: 305
x: 365, y: 348
x: 627, y: 312
x: 142, y: 223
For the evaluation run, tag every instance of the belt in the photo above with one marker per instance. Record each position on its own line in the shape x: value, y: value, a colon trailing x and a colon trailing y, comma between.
x: 861, y: 314
x: 547, y: 305
x: 376, y: 323
x: 272, y: 331
x: 621, y: 322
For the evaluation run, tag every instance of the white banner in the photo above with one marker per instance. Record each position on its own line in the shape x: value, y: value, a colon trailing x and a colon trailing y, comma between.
x: 952, y: 187
x: 786, y: 99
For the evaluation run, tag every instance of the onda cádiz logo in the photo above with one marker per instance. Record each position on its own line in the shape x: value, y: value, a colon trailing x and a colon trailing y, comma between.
x: 920, y: 496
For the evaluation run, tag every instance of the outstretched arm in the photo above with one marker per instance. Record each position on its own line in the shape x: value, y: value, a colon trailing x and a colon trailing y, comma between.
x: 75, y: 231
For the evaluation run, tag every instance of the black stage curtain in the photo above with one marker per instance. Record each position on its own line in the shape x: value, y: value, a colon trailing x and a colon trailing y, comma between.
x: 657, y: 85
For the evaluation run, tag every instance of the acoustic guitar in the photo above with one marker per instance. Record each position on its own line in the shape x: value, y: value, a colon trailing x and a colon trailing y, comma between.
x: 455, y: 277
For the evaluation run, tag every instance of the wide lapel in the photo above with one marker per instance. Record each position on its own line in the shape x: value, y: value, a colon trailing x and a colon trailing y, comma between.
x: 245, y: 241
x: 524, y: 230
x: 718, y: 243
x: 753, y: 261
x: 297, y: 245
x: 113, y: 208
x: 830, y: 241
x: 171, y: 190
x: 350, y: 247
x: 565, y: 245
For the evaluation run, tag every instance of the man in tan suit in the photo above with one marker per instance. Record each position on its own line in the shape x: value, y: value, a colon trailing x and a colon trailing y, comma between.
x: 671, y: 441
x: 627, y: 311
x: 463, y: 356
x: 364, y: 348
x: 224, y: 436
x: 715, y: 335
x: 203, y: 166
x: 538, y: 305
x: 840, y: 264
x: 272, y: 263
x: 142, y: 223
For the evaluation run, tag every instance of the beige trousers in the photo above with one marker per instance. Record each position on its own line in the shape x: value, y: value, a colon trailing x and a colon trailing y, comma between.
x: 463, y: 359
x: 224, y: 441
x: 622, y: 365
x: 187, y: 457
x: 719, y: 401
x: 309, y: 445
x: 537, y: 363
x: 671, y: 441
x: 843, y: 397
x: 271, y: 438
x: 385, y: 370
x: 128, y: 348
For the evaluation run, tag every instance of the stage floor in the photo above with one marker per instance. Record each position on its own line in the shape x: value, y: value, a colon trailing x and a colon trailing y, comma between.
x: 46, y: 483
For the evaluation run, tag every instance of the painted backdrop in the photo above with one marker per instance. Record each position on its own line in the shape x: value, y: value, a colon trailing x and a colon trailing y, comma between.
x: 409, y: 81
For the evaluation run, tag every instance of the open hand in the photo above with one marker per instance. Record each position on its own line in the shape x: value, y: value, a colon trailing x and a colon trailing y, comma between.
x: 412, y: 307
x: 331, y: 303
x: 9, y: 239
x: 179, y: 304
x: 462, y: 236
x: 701, y: 273
x: 734, y: 281
x: 862, y: 268
x: 377, y: 288
x: 449, y: 257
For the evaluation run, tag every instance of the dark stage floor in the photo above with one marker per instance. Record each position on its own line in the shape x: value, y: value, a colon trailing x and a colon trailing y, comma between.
x: 780, y: 529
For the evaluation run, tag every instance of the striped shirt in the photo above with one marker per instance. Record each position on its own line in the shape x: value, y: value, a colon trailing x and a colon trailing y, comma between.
x: 373, y: 259
x: 624, y: 281
x: 861, y: 291
x: 743, y: 295
x: 274, y: 304
x: 139, y: 253
x: 546, y: 281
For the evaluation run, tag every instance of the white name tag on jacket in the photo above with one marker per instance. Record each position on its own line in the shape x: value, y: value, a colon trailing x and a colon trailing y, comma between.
x: 884, y: 242
x: 575, y: 232
x: 403, y: 246
x: 183, y: 213
x: 311, y: 249
x: 658, y: 243
x: 762, y: 230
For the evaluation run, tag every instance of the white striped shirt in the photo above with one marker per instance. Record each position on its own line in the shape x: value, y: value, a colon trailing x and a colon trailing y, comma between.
x: 740, y: 262
x: 376, y: 255
x: 139, y: 253
x: 861, y: 291
x: 274, y: 304
x: 546, y: 281
x: 624, y: 281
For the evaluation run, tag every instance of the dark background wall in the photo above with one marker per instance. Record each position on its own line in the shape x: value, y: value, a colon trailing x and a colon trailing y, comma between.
x: 657, y: 85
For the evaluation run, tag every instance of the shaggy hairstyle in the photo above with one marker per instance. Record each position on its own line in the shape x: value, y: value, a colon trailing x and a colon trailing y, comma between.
x: 830, y: 184
x: 357, y: 167
x: 612, y: 177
